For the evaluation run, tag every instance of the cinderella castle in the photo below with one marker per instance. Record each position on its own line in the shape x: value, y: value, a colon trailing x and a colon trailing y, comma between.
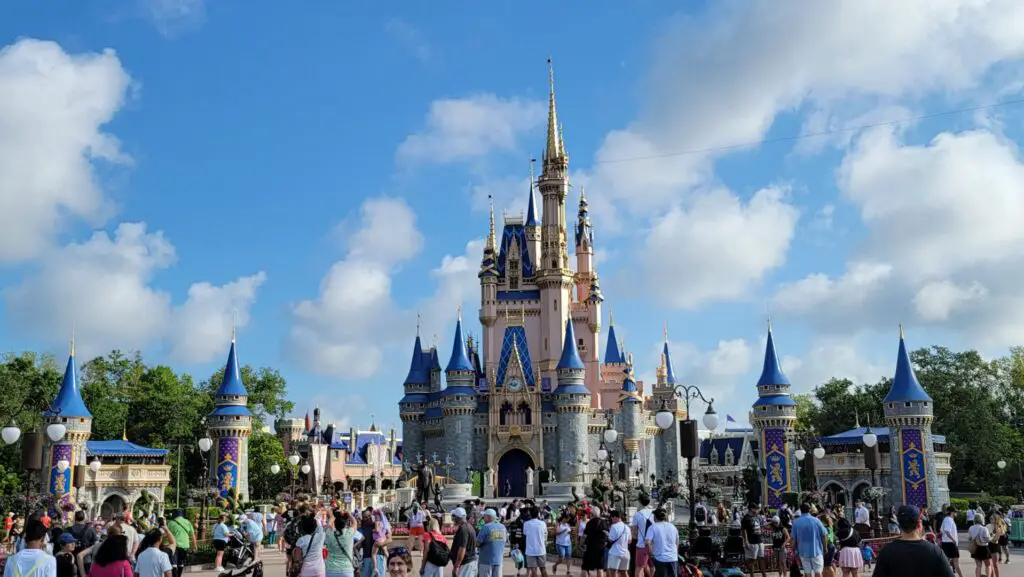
x: 534, y: 394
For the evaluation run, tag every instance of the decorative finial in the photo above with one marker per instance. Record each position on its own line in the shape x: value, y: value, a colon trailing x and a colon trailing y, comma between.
x: 664, y: 330
x: 583, y: 195
x: 74, y: 323
x: 435, y: 341
x: 553, y: 152
x: 124, y: 431
x: 234, y: 323
x: 901, y: 331
x: 611, y: 318
x: 856, y: 418
x: 460, y: 312
x: 491, y: 238
x: 769, y: 323
x: 419, y: 322
x: 533, y: 179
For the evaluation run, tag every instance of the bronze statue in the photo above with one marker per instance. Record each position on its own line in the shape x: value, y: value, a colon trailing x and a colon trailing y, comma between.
x: 424, y: 481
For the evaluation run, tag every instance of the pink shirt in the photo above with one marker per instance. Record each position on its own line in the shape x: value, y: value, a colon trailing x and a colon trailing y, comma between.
x: 115, y: 569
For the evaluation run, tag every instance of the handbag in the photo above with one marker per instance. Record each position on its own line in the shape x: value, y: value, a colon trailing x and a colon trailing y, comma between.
x: 295, y: 568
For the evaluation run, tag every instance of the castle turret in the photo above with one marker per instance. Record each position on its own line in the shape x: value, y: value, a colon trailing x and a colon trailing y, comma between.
x: 572, y: 402
x: 414, y: 403
x: 631, y: 423
x: 584, y: 236
x: 230, y: 424
x: 458, y: 405
x: 532, y: 225
x: 774, y: 418
x: 69, y: 410
x: 488, y: 283
x: 666, y: 444
x: 554, y: 278
x: 908, y: 413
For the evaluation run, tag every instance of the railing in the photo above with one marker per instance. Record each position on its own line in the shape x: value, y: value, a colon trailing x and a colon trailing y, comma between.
x: 845, y: 462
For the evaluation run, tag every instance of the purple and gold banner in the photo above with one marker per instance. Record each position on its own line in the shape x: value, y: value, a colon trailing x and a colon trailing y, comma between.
x: 60, y: 483
x: 913, y: 461
x: 228, y: 458
x: 776, y: 476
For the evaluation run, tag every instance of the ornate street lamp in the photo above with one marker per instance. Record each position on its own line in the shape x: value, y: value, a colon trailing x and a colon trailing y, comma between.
x: 688, y: 435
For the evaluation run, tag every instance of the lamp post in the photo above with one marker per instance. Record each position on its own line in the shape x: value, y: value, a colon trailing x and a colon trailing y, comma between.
x: 205, y: 444
x: 293, y: 460
x: 801, y: 455
x: 604, y: 454
x: 688, y: 435
x: 33, y: 443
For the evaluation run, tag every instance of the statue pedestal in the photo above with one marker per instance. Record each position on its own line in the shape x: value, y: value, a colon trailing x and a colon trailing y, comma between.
x: 455, y: 493
x: 488, y: 489
x: 404, y: 496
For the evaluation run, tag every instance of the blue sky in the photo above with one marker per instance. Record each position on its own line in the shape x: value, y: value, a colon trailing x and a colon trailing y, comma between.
x: 320, y: 174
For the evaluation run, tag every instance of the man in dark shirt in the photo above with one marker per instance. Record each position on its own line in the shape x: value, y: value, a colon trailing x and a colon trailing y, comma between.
x: 911, y: 555
x: 463, y: 549
x: 753, y: 547
x: 85, y: 536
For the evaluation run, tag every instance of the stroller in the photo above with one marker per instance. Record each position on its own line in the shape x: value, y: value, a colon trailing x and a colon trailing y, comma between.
x: 240, y: 555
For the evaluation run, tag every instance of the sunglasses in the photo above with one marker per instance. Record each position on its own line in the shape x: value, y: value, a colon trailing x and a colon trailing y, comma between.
x: 399, y: 551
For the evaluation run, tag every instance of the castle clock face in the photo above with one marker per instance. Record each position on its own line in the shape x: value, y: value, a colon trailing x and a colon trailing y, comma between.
x: 514, y: 385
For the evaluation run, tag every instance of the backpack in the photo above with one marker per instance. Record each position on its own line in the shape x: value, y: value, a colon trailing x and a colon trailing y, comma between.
x: 700, y: 514
x: 438, y: 553
x: 79, y: 537
x: 291, y: 532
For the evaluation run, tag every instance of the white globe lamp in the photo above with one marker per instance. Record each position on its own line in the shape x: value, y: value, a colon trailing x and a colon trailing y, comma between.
x: 663, y: 419
x: 56, y: 432
x: 305, y: 469
x: 710, y: 418
x: 870, y: 439
x: 1001, y: 464
x: 205, y: 444
x: 10, y: 434
x: 819, y: 452
x: 95, y: 465
x: 800, y: 454
x: 275, y: 468
x: 294, y: 460
x: 602, y: 454
x: 610, y: 435
x: 62, y: 465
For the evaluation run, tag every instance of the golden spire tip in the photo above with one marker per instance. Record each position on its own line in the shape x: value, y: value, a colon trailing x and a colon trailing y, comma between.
x: 460, y: 312
x: 901, y: 331
x: 664, y: 330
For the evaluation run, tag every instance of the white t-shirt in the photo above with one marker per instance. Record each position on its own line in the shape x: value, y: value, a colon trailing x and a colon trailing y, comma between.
x: 536, y: 533
x: 948, y: 528
x: 861, y: 516
x: 132, y: 535
x: 563, y: 536
x: 639, y: 521
x: 618, y: 536
x: 970, y: 515
x: 45, y: 565
x: 417, y: 518
x: 664, y: 538
x: 152, y: 563
x: 980, y: 534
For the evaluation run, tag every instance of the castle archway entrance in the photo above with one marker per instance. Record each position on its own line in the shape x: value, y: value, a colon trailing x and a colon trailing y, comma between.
x: 512, y: 473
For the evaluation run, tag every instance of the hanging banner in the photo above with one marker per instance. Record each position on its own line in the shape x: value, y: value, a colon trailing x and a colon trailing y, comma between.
x: 318, y: 454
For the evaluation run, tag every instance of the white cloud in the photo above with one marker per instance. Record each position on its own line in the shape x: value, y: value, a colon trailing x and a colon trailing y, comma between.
x: 459, y: 129
x: 718, y: 371
x: 838, y: 357
x: 173, y: 17
x: 103, y: 287
x: 343, y: 331
x: 412, y: 38
x: 457, y: 285
x: 52, y: 115
x: 941, y: 250
x: 718, y: 246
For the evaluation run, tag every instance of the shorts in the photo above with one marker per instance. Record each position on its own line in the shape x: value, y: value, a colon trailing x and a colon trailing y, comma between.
x: 812, y: 565
x: 220, y: 544
x: 754, y: 551
x: 981, y: 553
x: 535, y: 562
x: 489, y: 570
x: 951, y: 550
x: 642, y: 557
x: 780, y: 555
x: 563, y: 550
x: 416, y: 531
x: 616, y: 563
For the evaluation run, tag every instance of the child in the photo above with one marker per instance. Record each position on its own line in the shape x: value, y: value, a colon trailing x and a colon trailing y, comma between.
x: 517, y: 558
x: 868, y: 553
x: 381, y: 532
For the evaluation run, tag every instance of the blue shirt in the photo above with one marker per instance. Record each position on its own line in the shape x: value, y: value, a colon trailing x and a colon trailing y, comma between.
x: 808, y: 532
x: 221, y: 532
x: 253, y: 530
x: 491, y: 541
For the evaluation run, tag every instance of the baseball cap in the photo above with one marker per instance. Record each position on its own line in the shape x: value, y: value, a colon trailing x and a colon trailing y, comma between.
x: 66, y: 538
x: 491, y: 513
x: 907, y: 514
x: 459, y: 512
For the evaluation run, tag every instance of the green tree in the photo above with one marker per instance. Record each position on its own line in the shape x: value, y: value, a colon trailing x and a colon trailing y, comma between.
x: 266, y: 450
x: 108, y: 386
x: 267, y: 390
x: 29, y: 383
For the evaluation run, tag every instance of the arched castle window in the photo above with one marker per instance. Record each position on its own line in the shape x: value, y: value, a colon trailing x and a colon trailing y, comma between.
x: 525, y: 414
x: 504, y: 414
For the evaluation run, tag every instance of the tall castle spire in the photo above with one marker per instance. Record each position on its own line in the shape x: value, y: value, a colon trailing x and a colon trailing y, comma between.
x: 532, y: 214
x: 68, y: 402
x: 554, y: 151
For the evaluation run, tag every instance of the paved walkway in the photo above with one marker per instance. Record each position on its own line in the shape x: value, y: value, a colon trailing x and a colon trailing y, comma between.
x: 273, y: 566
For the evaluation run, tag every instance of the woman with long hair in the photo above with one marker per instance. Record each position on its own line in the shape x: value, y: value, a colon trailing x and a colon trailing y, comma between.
x: 111, y: 558
x: 308, y: 551
x: 851, y: 560
x: 340, y: 540
x: 432, y: 534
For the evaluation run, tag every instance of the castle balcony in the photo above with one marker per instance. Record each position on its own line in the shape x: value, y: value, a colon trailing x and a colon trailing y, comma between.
x: 849, y: 463
x: 130, y: 475
x: 521, y: 432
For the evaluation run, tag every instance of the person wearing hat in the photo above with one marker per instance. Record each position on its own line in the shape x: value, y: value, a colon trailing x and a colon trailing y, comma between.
x: 491, y: 542
x: 753, y: 544
x: 463, y: 550
x: 253, y: 531
x: 65, y: 554
x: 911, y: 555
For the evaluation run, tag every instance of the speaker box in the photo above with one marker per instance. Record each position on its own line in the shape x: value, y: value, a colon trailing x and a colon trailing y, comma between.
x: 872, y: 458
x: 689, y: 442
x: 809, y: 462
x: 78, y: 477
x: 32, y: 451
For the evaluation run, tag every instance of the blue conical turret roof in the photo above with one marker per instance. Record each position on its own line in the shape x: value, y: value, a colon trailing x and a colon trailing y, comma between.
x: 69, y: 401
x: 570, y: 355
x: 532, y: 214
x: 670, y: 373
x: 612, y: 354
x: 905, y: 386
x: 630, y: 393
x: 772, y: 373
x: 459, y: 360
x: 417, y: 371
x: 232, y: 384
